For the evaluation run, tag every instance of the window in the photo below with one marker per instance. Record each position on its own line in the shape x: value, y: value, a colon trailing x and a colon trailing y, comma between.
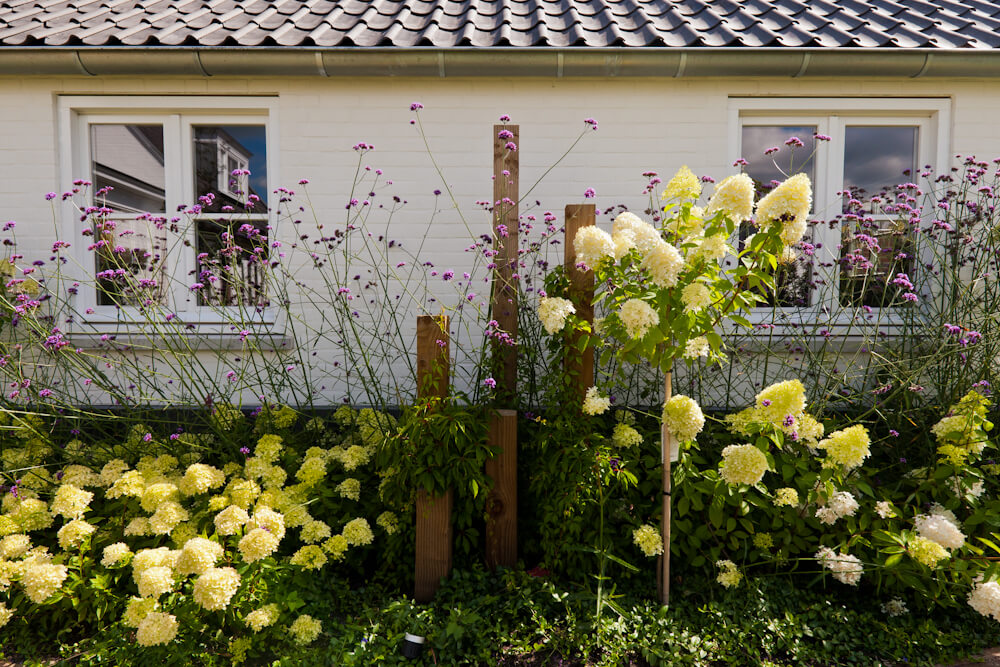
x: 853, y: 249
x: 150, y: 157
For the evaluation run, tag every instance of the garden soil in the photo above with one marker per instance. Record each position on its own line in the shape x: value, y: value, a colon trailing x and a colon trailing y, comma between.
x: 988, y: 658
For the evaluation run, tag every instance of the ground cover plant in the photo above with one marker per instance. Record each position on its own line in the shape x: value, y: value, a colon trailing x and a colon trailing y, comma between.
x: 170, y: 498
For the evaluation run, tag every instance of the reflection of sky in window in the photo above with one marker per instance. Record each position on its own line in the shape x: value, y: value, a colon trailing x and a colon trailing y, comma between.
x: 253, y: 138
x: 778, y: 166
x: 875, y: 157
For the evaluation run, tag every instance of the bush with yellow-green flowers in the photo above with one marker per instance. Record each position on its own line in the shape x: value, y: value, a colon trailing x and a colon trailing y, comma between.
x: 787, y: 493
x: 174, y: 555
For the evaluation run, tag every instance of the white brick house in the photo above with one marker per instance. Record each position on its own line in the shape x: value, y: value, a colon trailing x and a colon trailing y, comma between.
x: 693, y: 83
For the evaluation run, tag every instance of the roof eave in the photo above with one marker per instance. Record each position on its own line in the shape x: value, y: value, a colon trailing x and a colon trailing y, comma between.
x: 496, y: 62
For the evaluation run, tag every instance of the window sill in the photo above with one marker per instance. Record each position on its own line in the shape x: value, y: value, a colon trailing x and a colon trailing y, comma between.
x: 181, y: 334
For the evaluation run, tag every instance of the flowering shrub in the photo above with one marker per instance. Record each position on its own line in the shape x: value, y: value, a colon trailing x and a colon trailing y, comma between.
x: 172, y: 553
x: 793, y: 496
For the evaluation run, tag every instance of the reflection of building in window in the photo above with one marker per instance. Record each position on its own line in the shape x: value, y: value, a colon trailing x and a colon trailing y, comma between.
x: 129, y: 159
x: 217, y: 155
x: 232, y: 264
x: 130, y: 266
x: 129, y: 175
x: 770, y: 160
x: 876, y: 245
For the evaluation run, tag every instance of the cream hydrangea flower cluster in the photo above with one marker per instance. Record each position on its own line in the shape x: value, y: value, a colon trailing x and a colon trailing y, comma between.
x: 895, y: 607
x: 262, y: 618
x: 638, y: 317
x: 664, y: 263
x: 985, y: 598
x: 712, y: 248
x: 733, y: 196
x: 70, y: 502
x: 305, y: 629
x: 684, y: 185
x: 592, y: 244
x: 743, y: 464
x: 14, y: 546
x: 848, y: 447
x: 786, y: 497
x: 683, y: 417
x: 729, y: 575
x: 116, y: 555
x: 198, y: 556
x: 350, y: 488
x: 74, y: 533
x: 648, y: 539
x: 594, y: 403
x: 357, y: 532
x: 625, y: 436
x: 695, y: 297
x: 644, y: 235
x: 215, y: 588
x: 846, y: 569
x: 247, y: 511
x: 5, y: 614
x: 258, y: 544
x: 841, y: 504
x: 926, y: 551
x: 553, y: 311
x: 388, y: 521
x: 40, y: 579
x: 696, y: 347
x: 156, y: 628
x: 941, y: 529
x: 787, y: 204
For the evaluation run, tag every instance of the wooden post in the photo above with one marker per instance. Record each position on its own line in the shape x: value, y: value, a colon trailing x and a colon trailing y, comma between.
x: 505, y: 228
x: 501, y: 506
x: 434, y: 534
x: 581, y: 293
x: 666, y: 444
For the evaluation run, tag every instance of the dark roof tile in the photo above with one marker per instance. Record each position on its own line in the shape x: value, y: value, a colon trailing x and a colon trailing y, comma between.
x: 939, y: 24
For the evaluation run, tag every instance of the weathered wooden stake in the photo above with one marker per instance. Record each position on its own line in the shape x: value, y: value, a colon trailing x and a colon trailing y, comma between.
x: 666, y: 443
x: 505, y: 228
x: 581, y: 293
x: 434, y: 534
x: 501, y: 506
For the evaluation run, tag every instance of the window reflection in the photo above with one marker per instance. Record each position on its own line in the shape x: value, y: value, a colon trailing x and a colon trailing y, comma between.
x: 129, y: 160
x: 223, y: 154
x: 793, y: 280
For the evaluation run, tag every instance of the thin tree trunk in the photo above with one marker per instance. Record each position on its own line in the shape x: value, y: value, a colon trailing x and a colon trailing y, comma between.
x: 666, y: 442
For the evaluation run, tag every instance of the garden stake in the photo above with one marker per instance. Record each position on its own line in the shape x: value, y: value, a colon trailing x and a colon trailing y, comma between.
x: 666, y: 447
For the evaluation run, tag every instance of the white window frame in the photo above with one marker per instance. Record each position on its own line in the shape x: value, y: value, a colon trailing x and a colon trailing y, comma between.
x: 932, y: 115
x: 178, y: 115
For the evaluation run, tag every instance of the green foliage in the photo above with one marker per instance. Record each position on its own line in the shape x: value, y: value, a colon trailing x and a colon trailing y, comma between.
x: 440, y: 445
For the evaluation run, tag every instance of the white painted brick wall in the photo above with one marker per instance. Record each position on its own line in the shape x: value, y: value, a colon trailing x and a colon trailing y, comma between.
x: 645, y: 124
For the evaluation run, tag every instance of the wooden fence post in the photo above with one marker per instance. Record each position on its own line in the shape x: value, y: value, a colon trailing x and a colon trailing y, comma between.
x: 434, y: 531
x: 581, y: 293
x: 501, y: 505
x: 505, y: 228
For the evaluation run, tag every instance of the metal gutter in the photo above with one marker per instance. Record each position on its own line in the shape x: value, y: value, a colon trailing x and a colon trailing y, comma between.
x: 542, y: 62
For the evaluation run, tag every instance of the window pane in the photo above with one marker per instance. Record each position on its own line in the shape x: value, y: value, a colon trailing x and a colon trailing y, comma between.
x: 232, y: 264
x: 222, y: 154
x: 877, y: 159
x: 875, y: 250
x: 131, y: 266
x: 794, y: 281
x: 129, y: 160
x: 768, y: 170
